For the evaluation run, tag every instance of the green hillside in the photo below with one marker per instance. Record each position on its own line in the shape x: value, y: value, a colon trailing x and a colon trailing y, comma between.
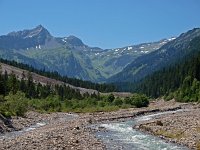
x: 181, y: 80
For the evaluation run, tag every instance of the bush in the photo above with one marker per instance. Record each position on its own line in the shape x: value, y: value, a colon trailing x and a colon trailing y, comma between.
x: 49, y: 104
x: 90, y: 101
x: 101, y: 103
x: 117, y: 102
x: 139, y: 100
x: 111, y: 98
x: 127, y: 100
x: 168, y: 97
x: 16, y: 104
x: 68, y: 104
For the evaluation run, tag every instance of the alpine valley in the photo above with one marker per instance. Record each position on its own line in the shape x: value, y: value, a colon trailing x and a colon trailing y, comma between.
x: 168, y: 54
x: 154, y: 91
x: 70, y: 56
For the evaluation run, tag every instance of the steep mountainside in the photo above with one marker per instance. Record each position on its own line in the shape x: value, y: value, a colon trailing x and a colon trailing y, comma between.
x: 112, y: 61
x: 169, y: 53
x: 41, y: 79
x: 184, y: 74
x: 69, y: 55
x: 55, y: 75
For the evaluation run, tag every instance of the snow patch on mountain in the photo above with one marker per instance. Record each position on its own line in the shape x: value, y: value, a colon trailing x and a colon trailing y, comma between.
x: 130, y: 48
x: 170, y: 39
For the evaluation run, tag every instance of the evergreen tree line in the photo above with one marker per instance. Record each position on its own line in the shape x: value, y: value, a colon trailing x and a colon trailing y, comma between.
x: 55, y: 75
x: 180, y: 80
x: 10, y: 83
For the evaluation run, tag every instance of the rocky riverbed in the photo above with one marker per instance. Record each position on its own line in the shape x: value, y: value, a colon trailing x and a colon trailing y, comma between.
x: 182, y: 127
x: 59, y: 133
x: 63, y: 132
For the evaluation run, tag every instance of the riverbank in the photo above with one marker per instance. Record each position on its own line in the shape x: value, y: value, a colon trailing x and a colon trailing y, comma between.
x: 72, y: 133
x: 182, y: 127
x: 59, y: 133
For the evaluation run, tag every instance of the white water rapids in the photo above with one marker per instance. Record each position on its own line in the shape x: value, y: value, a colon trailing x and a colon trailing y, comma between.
x: 121, y: 135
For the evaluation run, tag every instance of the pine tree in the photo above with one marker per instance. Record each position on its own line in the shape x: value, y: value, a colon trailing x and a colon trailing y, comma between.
x: 12, y: 83
x: 23, y: 83
x: 30, y: 92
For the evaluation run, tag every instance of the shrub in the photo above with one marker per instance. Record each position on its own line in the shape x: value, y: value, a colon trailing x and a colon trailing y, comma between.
x: 16, y: 104
x: 118, y: 102
x: 101, y: 103
x: 90, y: 101
x: 127, y: 100
x: 168, y: 97
x: 139, y: 100
x: 51, y: 103
x: 111, y: 98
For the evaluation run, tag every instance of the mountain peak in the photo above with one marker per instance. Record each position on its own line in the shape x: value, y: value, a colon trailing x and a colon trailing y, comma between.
x: 37, y: 31
x: 73, y: 40
x: 25, y: 39
x: 40, y: 26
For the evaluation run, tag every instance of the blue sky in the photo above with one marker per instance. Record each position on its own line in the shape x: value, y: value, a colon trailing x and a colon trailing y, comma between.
x: 103, y: 23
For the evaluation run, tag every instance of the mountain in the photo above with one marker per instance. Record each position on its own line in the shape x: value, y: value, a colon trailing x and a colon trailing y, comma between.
x: 37, y: 47
x: 182, y: 77
x: 112, y: 61
x: 25, y: 39
x: 169, y: 53
x: 69, y: 55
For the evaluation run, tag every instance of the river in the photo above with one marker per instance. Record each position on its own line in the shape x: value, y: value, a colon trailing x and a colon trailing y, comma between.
x: 118, y: 135
x: 121, y: 135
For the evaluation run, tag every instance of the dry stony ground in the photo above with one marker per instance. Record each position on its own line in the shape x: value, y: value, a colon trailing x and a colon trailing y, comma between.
x: 57, y: 134
x: 61, y: 133
x: 181, y: 127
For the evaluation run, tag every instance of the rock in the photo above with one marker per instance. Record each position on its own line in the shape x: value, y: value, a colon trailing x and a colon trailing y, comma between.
x: 77, y: 128
x: 76, y: 141
x: 90, y: 121
x: 159, y: 123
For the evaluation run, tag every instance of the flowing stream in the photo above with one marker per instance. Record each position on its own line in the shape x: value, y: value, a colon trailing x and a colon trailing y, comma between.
x: 121, y: 135
x: 118, y: 135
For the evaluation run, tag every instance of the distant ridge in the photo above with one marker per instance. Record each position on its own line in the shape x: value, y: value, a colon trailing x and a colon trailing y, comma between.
x: 169, y: 53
